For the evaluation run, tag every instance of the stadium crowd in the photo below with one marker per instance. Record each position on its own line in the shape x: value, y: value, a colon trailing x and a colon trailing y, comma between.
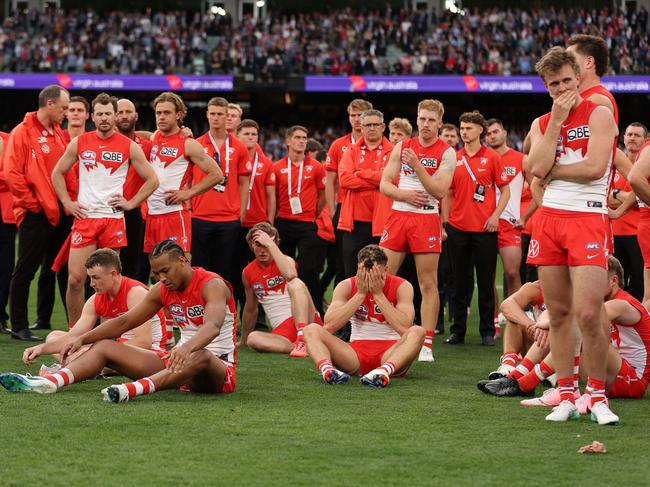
x: 402, y: 217
x: 341, y: 42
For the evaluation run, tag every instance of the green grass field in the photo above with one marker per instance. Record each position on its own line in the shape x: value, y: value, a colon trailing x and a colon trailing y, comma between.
x: 284, y: 426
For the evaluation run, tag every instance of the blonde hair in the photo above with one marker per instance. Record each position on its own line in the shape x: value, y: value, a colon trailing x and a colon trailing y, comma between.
x: 433, y: 105
x: 555, y: 59
x: 235, y: 106
x: 359, y: 104
x: 401, y: 124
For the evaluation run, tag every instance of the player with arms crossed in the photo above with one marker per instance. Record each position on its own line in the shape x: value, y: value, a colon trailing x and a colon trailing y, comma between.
x: 572, y: 149
x: 384, y: 341
x: 272, y: 281
x: 425, y: 167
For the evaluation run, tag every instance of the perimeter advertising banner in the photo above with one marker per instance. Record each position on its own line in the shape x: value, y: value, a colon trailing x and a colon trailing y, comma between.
x: 458, y: 84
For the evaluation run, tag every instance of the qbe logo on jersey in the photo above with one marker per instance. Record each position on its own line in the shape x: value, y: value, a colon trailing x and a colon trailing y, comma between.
x: 195, y: 311
x: 108, y: 156
x: 169, y: 152
x: 576, y: 133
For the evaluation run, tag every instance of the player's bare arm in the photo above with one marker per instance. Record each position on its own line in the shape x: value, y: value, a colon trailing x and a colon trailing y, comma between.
x: 492, y: 223
x: 343, y: 305
x: 286, y: 264
x: 244, y: 182
x: 85, y: 323
x: 142, y: 334
x: 514, y: 305
x: 330, y: 191
x: 603, y: 131
x: 213, y: 174
x: 66, y: 162
x: 115, y: 327
x: 399, y: 317
x: 438, y: 184
x: 622, y: 312
x: 640, y: 174
x: 271, y: 203
x: 215, y: 294
x: 541, y: 158
x: 322, y: 201
x: 249, y: 316
x: 390, y: 174
x: 148, y: 175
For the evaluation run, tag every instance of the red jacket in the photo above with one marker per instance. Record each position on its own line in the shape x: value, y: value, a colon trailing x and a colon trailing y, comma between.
x: 26, y: 172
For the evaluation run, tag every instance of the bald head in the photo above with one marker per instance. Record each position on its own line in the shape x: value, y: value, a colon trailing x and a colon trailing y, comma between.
x: 127, y: 116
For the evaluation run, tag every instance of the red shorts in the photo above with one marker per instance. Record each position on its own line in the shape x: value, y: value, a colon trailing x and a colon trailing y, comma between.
x: 628, y: 384
x: 569, y: 238
x: 287, y: 328
x: 508, y: 235
x: 412, y: 232
x: 229, y: 381
x: 105, y: 233
x: 370, y: 352
x: 643, y: 237
x: 174, y: 226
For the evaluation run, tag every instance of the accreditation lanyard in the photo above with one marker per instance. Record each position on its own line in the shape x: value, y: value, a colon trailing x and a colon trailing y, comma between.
x: 216, y: 148
x: 469, y: 171
x: 250, y: 184
x: 302, y: 163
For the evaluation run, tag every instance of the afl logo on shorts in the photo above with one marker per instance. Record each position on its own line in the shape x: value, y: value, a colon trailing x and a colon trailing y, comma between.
x: 76, y: 238
x: 533, y: 249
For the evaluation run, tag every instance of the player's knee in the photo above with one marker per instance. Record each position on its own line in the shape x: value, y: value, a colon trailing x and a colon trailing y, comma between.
x: 417, y: 332
x: 253, y: 340
x: 428, y: 286
x: 296, y: 286
x: 588, y: 318
x: 312, y: 331
x: 76, y: 282
x: 101, y: 346
x: 54, y: 335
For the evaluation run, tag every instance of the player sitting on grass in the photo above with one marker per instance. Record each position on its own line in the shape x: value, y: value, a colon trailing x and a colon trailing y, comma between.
x: 200, y: 302
x: 114, y: 295
x: 628, y: 358
x: 272, y: 281
x: 380, y: 308
x: 521, y: 311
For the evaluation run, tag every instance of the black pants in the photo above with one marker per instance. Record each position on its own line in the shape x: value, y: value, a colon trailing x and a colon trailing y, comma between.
x: 353, y: 242
x: 214, y: 245
x: 132, y: 255
x: 338, y: 234
x: 330, y: 260
x: 38, y: 244
x: 527, y: 272
x: 471, y: 250
x: 627, y: 250
x: 301, y: 236
x: 7, y: 256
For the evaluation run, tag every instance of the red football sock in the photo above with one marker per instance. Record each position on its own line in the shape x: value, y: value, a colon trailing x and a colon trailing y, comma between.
x: 324, y: 367
x: 140, y: 387
x: 63, y: 377
x: 388, y: 367
x: 509, y: 358
x: 301, y: 331
x: 576, y: 372
x: 522, y: 369
x: 532, y: 379
x: 428, y: 338
x: 566, y: 389
x: 596, y: 390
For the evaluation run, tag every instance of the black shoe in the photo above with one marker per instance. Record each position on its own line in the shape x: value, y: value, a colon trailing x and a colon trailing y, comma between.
x: 25, y: 335
x: 40, y: 325
x: 505, y: 387
x: 488, y: 341
x: 481, y: 385
x: 454, y: 339
x: 3, y: 328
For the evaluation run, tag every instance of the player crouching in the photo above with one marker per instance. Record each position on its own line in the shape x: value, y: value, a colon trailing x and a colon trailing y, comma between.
x: 272, y: 281
x: 384, y: 341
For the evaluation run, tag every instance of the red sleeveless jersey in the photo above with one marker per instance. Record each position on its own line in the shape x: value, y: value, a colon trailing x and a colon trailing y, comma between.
x: 133, y: 180
x: 430, y: 158
x: 633, y: 341
x: 572, y: 148
x: 103, y: 165
x: 107, y: 308
x: 187, y: 308
x: 173, y: 169
x: 601, y: 90
x: 368, y: 322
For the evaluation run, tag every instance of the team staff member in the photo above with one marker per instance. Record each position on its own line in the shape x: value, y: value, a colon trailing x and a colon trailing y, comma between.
x: 509, y: 233
x: 332, y: 190
x: 7, y: 239
x: 624, y: 225
x: 104, y: 157
x: 32, y: 151
x: 261, y: 204
x: 300, y: 193
x: 360, y: 172
x: 472, y: 226
x: 217, y: 214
